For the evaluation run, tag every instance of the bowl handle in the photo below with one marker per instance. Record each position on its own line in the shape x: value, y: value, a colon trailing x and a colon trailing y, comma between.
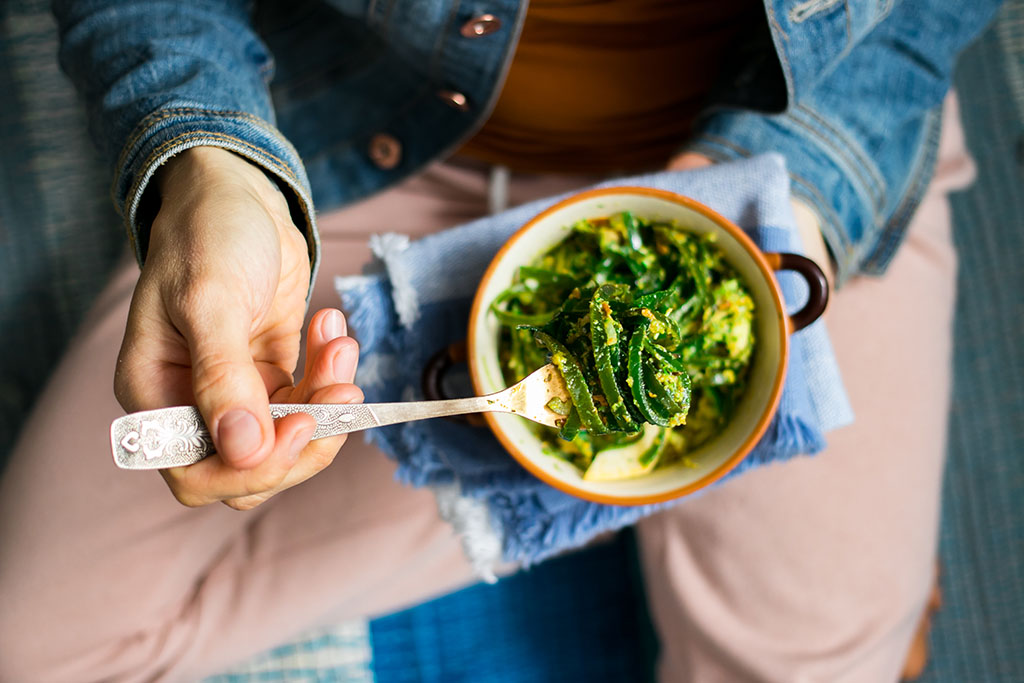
x: 432, y: 379
x: 811, y: 272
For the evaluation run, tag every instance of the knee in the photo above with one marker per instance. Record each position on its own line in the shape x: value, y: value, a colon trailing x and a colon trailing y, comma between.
x: 844, y: 619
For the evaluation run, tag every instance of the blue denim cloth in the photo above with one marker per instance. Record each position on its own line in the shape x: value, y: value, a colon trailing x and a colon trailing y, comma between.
x: 847, y: 91
x: 420, y: 304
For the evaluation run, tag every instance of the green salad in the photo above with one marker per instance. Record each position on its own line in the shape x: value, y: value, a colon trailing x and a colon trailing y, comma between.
x: 650, y: 328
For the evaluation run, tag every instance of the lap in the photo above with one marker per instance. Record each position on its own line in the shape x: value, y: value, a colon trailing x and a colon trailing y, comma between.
x: 819, y: 568
x: 130, y: 585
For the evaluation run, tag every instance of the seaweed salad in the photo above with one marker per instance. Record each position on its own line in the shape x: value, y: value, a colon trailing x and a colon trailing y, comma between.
x: 652, y: 331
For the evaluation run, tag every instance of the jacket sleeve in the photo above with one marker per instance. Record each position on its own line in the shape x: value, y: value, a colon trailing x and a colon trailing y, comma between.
x: 860, y: 142
x: 161, y: 76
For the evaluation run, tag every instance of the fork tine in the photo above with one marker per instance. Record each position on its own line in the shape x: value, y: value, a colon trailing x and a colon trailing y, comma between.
x: 538, y: 396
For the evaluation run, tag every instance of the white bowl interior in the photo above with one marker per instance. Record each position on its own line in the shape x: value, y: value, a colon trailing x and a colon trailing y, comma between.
x: 765, y: 370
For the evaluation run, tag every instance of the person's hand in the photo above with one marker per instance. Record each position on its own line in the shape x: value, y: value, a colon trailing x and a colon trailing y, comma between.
x: 687, y: 161
x: 807, y: 222
x: 216, y: 321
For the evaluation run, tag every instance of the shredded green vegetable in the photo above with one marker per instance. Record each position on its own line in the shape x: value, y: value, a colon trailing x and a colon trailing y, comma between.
x: 650, y: 328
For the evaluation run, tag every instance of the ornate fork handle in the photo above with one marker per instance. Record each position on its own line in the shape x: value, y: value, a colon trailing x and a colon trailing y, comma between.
x: 175, y: 437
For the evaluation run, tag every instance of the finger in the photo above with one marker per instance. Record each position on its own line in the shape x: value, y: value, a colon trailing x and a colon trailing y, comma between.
x: 346, y: 362
x: 334, y: 364
x: 325, y: 326
x: 153, y: 364
x: 331, y: 356
x: 211, y: 480
x: 327, y: 363
x: 275, y: 378
x: 315, y: 456
x: 229, y: 390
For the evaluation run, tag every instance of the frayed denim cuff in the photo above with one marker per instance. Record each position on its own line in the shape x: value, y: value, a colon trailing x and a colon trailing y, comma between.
x: 170, y: 131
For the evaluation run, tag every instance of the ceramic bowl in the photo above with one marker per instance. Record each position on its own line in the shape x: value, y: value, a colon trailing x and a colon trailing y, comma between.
x: 768, y: 369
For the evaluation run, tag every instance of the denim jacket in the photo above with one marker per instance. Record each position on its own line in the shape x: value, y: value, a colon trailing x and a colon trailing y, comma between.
x: 337, y: 99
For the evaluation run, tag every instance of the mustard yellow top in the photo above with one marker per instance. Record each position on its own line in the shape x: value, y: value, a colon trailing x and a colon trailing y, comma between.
x: 608, y: 85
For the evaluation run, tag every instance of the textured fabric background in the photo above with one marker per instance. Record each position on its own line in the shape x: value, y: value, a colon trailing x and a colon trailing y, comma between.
x: 978, y: 635
x: 59, y: 234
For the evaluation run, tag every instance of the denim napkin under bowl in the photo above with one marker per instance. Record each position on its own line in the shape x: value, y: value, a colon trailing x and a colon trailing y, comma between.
x: 419, y: 302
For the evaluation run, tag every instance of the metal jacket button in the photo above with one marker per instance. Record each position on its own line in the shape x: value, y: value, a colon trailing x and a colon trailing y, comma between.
x: 481, y: 26
x: 385, y: 151
x: 455, y: 100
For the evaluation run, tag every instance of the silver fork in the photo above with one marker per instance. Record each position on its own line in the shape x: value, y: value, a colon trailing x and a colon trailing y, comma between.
x: 175, y: 437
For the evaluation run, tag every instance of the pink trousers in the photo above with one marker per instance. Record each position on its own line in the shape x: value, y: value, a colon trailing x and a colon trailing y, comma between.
x: 815, y: 570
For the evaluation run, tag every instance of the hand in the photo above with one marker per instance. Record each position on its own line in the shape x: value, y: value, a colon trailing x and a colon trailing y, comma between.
x: 688, y: 161
x: 807, y: 221
x: 216, y: 321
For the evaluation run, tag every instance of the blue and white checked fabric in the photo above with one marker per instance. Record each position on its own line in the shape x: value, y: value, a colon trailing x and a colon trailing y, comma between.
x: 341, y: 653
x: 420, y: 302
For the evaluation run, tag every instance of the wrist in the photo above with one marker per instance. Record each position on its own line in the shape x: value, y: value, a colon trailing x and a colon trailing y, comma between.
x: 198, y: 170
x: 204, y: 190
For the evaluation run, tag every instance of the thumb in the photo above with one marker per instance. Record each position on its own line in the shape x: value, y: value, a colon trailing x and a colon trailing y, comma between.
x: 229, y: 390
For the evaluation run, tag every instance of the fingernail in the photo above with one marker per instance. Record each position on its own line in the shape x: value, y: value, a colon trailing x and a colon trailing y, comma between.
x: 342, y: 365
x: 333, y: 325
x: 298, y: 443
x: 239, y: 433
